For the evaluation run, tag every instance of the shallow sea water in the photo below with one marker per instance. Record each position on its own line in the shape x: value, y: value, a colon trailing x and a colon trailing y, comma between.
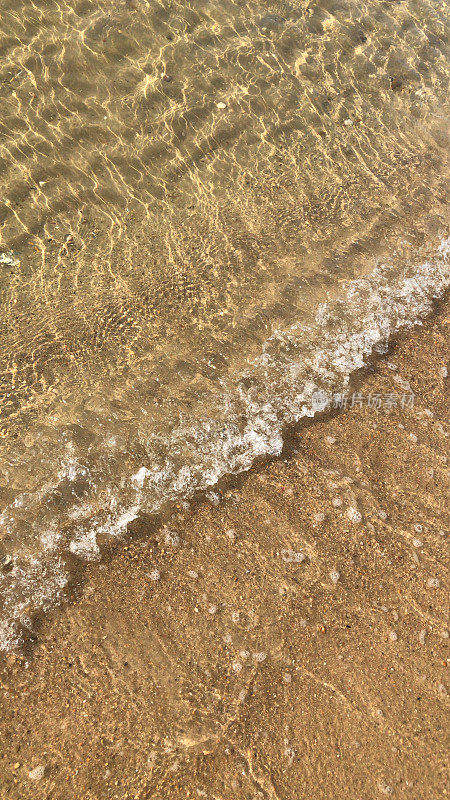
x: 209, y: 211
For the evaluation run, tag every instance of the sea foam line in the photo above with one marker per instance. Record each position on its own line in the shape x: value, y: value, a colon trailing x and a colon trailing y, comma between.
x: 251, y: 411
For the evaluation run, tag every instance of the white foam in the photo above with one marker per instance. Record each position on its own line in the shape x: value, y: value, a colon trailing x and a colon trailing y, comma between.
x: 295, y: 373
x: 140, y: 476
x: 85, y: 546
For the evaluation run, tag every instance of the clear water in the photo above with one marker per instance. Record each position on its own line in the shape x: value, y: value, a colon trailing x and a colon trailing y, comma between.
x: 208, y: 212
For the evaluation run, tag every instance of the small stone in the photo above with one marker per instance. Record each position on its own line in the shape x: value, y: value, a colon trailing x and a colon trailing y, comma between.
x: 37, y: 773
x: 348, y: 122
x: 212, y: 609
x: 236, y: 666
x: 393, y: 636
x: 397, y: 83
x: 417, y: 543
x: 6, y: 563
x: 422, y: 636
x: 319, y: 517
x: 433, y: 583
x: 193, y: 574
x: 444, y: 372
x: 334, y: 575
x: 154, y: 575
x: 336, y: 502
x: 221, y: 105
x: 330, y: 439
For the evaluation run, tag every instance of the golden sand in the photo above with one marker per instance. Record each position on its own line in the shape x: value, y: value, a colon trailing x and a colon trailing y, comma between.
x: 272, y: 644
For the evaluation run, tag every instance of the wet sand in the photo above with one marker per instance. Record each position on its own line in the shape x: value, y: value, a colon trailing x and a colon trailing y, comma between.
x: 268, y: 643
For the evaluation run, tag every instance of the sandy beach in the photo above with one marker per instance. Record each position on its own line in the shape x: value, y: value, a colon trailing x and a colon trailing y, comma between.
x: 217, y: 220
x: 284, y: 638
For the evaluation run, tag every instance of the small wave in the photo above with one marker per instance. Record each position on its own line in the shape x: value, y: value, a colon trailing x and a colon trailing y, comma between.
x: 294, y: 374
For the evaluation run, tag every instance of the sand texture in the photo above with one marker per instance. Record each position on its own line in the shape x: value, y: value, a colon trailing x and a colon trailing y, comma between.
x: 284, y: 639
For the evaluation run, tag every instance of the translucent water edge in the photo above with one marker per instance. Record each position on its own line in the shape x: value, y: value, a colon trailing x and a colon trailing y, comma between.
x: 296, y: 372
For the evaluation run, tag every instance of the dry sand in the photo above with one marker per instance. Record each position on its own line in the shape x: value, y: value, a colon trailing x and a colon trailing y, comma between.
x: 267, y: 646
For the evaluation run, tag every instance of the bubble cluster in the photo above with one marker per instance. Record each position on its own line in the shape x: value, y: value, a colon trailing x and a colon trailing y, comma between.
x: 354, y: 515
x: 259, y: 657
x: 171, y: 538
x: 291, y: 557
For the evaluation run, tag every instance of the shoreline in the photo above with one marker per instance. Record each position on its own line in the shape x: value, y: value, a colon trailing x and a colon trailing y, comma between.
x: 268, y: 430
x: 284, y: 643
